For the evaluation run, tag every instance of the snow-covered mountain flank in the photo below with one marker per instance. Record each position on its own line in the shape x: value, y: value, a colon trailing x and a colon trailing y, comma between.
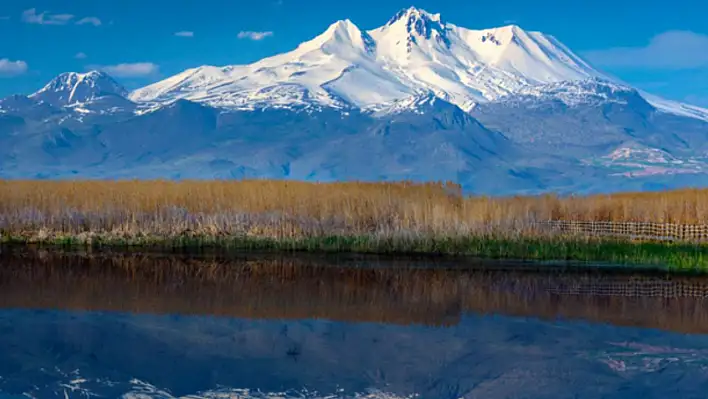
x: 499, y: 110
x: 415, y: 52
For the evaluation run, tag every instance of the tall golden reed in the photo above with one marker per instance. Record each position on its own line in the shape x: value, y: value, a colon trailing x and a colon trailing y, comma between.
x: 289, y: 208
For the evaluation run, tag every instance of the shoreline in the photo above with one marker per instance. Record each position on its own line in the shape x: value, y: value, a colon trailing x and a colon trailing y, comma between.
x: 658, y: 256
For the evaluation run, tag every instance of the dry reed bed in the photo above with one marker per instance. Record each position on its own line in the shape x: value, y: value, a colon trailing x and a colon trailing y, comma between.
x: 43, y: 210
x: 404, y: 292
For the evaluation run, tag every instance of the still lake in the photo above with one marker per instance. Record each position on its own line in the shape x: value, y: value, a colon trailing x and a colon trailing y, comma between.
x: 136, y: 325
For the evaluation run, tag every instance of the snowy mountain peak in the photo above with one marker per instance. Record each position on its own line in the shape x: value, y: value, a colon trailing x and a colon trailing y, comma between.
x: 340, y: 38
x: 72, y: 87
x: 533, y: 57
x: 413, y: 14
x: 411, y: 26
x: 503, y: 35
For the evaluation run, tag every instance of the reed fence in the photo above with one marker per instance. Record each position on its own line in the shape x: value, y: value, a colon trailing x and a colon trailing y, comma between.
x: 650, y: 287
x: 626, y: 230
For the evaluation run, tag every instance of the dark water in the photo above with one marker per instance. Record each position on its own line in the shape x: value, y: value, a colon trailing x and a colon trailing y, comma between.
x: 142, y: 326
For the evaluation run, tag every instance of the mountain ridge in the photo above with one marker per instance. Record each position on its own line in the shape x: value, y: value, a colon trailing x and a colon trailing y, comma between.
x: 414, y: 52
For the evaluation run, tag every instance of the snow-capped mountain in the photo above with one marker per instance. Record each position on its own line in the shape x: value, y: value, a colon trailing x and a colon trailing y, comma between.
x: 76, y: 88
x: 414, y: 52
x: 500, y: 111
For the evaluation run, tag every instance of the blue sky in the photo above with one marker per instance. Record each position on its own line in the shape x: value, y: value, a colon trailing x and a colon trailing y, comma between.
x: 660, y: 46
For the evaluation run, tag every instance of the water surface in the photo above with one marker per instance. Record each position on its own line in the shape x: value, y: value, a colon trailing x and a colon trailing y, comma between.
x: 149, y: 325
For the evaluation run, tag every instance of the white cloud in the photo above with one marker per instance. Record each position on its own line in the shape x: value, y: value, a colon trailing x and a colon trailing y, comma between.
x: 31, y: 17
x: 184, y: 33
x: 80, y: 56
x: 254, y: 35
x: 89, y: 21
x: 45, y: 18
x: 130, y: 70
x: 668, y: 50
x: 12, y: 68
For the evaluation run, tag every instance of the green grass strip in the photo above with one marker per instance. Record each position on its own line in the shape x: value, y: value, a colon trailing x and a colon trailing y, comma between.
x: 659, y: 255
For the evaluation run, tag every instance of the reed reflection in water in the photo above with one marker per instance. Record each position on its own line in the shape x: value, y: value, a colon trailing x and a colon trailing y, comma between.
x: 353, y: 289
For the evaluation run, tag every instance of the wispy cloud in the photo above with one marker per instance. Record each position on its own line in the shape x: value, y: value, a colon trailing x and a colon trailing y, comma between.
x: 254, y: 35
x: 668, y: 50
x: 80, y: 56
x: 12, y: 68
x: 46, y: 18
x: 4, y: 17
x: 129, y: 70
x: 185, y: 33
x: 89, y: 21
x: 31, y: 17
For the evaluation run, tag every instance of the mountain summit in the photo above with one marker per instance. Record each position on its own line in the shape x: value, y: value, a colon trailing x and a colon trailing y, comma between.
x: 418, y: 25
x: 73, y: 88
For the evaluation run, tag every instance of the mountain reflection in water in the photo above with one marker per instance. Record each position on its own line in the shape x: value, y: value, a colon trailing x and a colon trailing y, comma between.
x: 304, y: 326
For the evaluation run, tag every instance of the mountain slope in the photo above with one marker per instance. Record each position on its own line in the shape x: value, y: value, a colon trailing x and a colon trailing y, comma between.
x: 189, y: 140
x: 600, y: 124
x: 589, y: 114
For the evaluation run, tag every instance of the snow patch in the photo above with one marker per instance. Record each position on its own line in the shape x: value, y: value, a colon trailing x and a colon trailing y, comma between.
x: 642, y: 161
x: 588, y: 92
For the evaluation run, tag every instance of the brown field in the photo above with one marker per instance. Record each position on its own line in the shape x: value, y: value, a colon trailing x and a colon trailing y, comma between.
x: 291, y: 209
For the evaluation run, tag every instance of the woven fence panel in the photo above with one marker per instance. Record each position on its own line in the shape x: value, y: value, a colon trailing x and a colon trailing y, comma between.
x: 636, y: 288
x: 629, y: 230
